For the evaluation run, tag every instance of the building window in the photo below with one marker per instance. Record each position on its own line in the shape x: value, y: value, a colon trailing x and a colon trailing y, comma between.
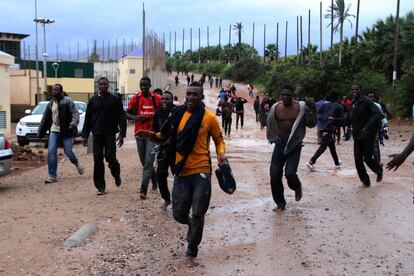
x: 132, y: 71
x: 78, y: 73
x: 3, y: 119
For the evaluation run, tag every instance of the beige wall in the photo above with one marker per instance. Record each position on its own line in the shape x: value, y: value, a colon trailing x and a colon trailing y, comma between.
x: 129, y: 82
x: 23, y: 86
x: 5, y: 61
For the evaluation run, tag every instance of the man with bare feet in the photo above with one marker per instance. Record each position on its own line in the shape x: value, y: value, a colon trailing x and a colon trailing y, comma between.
x: 286, y: 128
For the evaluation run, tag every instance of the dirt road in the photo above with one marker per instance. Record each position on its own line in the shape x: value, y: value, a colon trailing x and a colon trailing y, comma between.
x: 338, y: 228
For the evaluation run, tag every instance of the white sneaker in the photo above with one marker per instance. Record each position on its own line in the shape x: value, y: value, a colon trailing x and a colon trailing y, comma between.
x: 80, y: 169
x: 50, y: 179
x: 310, y: 166
x: 339, y: 165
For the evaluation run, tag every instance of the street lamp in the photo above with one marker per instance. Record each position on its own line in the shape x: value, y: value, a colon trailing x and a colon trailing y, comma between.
x: 45, y: 55
x: 55, y: 66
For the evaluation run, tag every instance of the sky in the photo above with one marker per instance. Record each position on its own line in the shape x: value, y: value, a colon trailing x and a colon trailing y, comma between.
x: 78, y: 21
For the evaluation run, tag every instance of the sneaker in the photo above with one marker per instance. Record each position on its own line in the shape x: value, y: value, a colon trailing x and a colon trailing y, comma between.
x: 279, y: 208
x: 298, y: 194
x: 80, y: 169
x: 380, y: 175
x: 142, y: 196
x: 101, y: 192
x: 310, y: 166
x: 50, y: 179
x: 191, y: 261
x: 118, y: 181
x: 338, y: 166
x: 165, y: 205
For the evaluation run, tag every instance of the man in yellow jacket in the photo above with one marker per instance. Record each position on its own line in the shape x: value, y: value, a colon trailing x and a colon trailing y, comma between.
x: 190, y: 129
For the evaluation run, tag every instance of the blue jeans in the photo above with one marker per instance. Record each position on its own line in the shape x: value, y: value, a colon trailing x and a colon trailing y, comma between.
x: 54, y: 139
x: 191, y: 192
x: 147, y: 160
x: 290, y: 164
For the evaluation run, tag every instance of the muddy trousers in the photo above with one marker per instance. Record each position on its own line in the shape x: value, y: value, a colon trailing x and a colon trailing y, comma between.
x: 191, y: 192
x: 327, y: 140
x: 162, y: 178
x: 363, y: 152
x: 257, y: 115
x: 227, y: 126
x: 104, y: 145
x: 290, y: 164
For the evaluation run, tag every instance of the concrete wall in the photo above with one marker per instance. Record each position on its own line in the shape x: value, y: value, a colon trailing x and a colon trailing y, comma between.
x: 158, y: 78
x: 130, y: 72
x: 23, y: 86
x: 5, y: 61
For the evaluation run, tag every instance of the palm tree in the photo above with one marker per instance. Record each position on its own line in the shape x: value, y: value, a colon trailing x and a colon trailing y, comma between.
x: 272, y: 52
x: 238, y: 27
x: 341, y: 13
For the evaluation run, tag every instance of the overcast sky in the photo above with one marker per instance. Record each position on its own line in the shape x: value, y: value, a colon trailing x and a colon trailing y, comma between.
x: 82, y: 20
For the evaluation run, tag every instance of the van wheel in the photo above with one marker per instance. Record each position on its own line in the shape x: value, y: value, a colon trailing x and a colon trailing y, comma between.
x: 22, y: 141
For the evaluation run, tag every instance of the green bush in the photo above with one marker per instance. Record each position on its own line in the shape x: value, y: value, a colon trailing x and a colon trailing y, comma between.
x: 405, y: 92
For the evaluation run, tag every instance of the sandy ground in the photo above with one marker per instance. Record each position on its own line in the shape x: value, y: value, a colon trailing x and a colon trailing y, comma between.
x: 338, y: 228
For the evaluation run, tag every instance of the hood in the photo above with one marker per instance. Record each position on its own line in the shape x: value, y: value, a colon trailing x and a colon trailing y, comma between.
x: 32, y: 118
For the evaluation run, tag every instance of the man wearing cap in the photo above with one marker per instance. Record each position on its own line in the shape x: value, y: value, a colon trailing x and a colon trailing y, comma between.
x: 141, y: 109
x: 190, y: 129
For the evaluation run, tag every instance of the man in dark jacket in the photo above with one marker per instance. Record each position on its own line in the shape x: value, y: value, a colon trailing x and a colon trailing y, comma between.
x: 61, y: 119
x: 239, y: 108
x: 105, y: 116
x: 165, y: 157
x: 332, y: 113
x: 365, y: 119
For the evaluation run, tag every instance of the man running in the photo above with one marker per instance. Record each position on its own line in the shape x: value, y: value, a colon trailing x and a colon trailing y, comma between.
x: 164, y: 155
x: 256, y: 106
x: 141, y: 109
x: 286, y: 127
x: 61, y: 119
x: 176, y: 80
x: 105, y: 116
x: 190, y: 129
x: 226, y: 113
x: 332, y: 115
x: 365, y: 119
x: 239, y: 108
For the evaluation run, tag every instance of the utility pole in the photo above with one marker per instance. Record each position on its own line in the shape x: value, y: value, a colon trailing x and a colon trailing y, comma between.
x: 208, y: 44
x: 191, y: 45
x: 199, y: 45
x: 320, y: 35
x: 144, y: 52
x: 253, y: 36
x: 397, y: 33
x: 175, y: 42
x: 277, y: 41
x: 301, y: 40
x: 37, y: 57
x: 297, y: 39
x: 309, y: 43
x: 169, y: 47
x: 182, y: 52
x: 332, y: 28
x: 286, y: 35
x: 356, y: 30
x: 264, y: 43
x: 219, y: 57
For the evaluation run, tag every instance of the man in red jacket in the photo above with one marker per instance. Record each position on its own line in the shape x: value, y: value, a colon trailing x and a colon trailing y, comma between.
x: 141, y: 109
